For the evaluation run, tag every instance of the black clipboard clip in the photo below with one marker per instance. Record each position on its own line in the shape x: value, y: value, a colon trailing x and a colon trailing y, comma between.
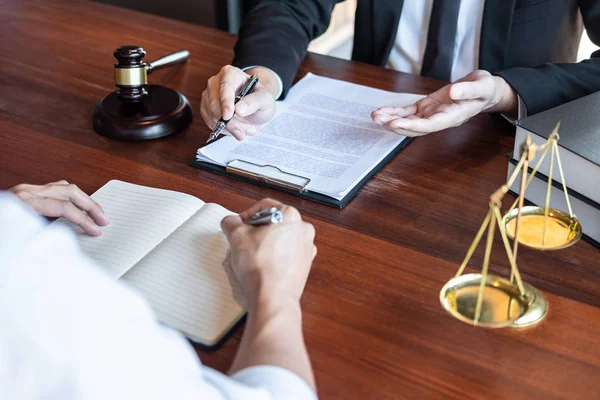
x: 268, y: 174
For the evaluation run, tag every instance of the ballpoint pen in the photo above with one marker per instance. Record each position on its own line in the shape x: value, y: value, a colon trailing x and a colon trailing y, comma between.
x: 247, y: 88
x: 266, y: 217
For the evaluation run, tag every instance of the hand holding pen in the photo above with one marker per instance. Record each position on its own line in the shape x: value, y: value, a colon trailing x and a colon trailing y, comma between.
x: 256, y: 108
x: 222, y: 123
x: 278, y: 252
x: 271, y: 215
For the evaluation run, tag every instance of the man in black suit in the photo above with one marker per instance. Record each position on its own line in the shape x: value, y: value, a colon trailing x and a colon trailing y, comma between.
x: 505, y: 49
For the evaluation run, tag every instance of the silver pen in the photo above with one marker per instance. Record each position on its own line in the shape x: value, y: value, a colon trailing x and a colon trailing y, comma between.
x: 247, y: 88
x: 266, y: 217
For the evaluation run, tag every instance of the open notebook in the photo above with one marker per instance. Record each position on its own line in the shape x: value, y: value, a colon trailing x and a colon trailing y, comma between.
x: 321, y: 144
x: 169, y: 246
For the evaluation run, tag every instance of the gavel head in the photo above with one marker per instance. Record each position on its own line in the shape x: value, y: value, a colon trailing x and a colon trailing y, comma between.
x: 130, y: 73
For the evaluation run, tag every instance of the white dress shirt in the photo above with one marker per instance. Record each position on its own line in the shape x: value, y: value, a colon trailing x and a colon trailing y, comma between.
x: 68, y: 332
x: 409, y: 48
x: 411, y: 39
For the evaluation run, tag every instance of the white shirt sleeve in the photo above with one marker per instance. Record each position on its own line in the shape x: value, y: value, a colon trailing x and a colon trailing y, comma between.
x: 521, y: 112
x: 69, y: 332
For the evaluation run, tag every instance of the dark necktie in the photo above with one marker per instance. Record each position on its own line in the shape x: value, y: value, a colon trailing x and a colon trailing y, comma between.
x: 437, y: 61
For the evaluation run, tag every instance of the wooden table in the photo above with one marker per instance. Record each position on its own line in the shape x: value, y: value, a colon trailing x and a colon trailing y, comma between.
x: 374, y: 326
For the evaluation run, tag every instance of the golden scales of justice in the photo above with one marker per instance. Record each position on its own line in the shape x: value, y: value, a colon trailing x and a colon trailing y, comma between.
x: 491, y: 301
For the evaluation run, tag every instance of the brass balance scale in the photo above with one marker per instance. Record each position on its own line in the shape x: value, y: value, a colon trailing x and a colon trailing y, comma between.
x: 491, y: 301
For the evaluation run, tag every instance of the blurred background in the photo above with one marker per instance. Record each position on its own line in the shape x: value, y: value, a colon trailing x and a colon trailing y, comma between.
x: 227, y: 15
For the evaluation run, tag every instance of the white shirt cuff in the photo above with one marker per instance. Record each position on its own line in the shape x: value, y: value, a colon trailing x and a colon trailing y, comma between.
x: 522, y: 108
x: 521, y: 112
x: 279, y: 382
x: 279, y: 81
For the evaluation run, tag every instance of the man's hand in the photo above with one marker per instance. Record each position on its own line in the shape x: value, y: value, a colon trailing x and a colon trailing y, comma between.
x: 450, y: 106
x: 253, y: 110
x: 272, y: 262
x: 61, y: 199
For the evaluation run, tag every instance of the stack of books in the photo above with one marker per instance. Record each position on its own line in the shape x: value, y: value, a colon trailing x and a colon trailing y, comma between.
x: 579, y: 147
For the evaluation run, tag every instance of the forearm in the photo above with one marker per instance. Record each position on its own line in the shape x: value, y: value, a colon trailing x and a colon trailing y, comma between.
x: 276, y: 34
x: 550, y: 85
x: 273, y: 336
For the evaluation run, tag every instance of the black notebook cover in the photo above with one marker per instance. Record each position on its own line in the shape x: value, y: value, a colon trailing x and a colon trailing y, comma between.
x: 223, y: 339
x: 579, y: 126
x: 317, y: 197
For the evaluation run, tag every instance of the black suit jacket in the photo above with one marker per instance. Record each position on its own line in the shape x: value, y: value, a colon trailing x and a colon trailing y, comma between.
x: 532, y: 44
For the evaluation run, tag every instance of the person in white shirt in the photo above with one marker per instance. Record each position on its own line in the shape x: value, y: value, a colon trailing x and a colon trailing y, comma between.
x: 69, y: 332
x: 496, y: 52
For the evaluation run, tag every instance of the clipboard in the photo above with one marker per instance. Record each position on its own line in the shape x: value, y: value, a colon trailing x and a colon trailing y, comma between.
x: 292, y: 184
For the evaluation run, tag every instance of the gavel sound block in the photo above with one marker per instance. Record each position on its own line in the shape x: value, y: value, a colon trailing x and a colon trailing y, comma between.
x: 138, y: 111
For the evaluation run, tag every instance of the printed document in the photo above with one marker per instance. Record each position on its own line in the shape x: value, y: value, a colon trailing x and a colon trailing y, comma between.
x: 322, y: 132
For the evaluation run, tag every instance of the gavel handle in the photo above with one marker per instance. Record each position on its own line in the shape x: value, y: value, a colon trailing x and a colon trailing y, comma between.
x: 168, y: 60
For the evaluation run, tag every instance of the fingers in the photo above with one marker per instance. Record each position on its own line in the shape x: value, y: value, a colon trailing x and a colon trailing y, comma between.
x: 227, y: 97
x: 210, y: 111
x: 385, y: 114
x: 210, y: 118
x: 64, y: 208
x: 85, y: 202
x: 481, y: 89
x: 438, y: 118
x: 65, y: 191
x: 253, y: 102
x: 263, y: 205
x: 230, y: 223
x: 448, y: 107
x: 235, y: 127
x: 399, y: 111
x: 395, y: 111
x: 240, y: 129
x: 212, y: 106
x: 417, y: 126
x: 218, y: 101
x: 404, y: 132
x: 229, y: 80
x: 219, y: 96
x: 61, y: 199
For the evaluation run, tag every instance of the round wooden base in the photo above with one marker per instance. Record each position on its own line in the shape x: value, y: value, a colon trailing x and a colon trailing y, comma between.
x: 162, y: 112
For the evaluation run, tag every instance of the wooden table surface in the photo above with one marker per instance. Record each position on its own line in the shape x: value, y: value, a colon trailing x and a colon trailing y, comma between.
x: 373, y: 323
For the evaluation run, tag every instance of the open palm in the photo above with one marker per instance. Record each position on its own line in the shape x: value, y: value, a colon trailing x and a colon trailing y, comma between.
x: 450, y: 106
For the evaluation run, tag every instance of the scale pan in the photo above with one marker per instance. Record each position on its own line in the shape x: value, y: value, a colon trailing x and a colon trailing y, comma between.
x: 562, y: 230
x: 502, y: 303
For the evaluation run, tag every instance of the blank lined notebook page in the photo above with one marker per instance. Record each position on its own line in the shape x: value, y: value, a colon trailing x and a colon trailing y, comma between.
x: 140, y: 218
x: 184, y: 281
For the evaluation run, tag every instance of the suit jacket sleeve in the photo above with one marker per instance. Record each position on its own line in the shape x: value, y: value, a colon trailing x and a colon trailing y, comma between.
x: 550, y: 85
x: 276, y: 33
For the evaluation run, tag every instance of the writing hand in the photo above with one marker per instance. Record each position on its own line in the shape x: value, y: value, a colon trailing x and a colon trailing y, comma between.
x: 61, y: 199
x: 450, y: 106
x: 252, y: 111
x: 271, y: 262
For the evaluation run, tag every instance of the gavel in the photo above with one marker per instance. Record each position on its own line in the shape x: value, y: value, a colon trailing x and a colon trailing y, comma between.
x: 137, y: 110
x: 131, y: 72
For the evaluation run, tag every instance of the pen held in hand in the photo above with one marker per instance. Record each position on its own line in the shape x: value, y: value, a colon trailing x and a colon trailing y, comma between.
x: 221, y: 124
x: 266, y: 217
